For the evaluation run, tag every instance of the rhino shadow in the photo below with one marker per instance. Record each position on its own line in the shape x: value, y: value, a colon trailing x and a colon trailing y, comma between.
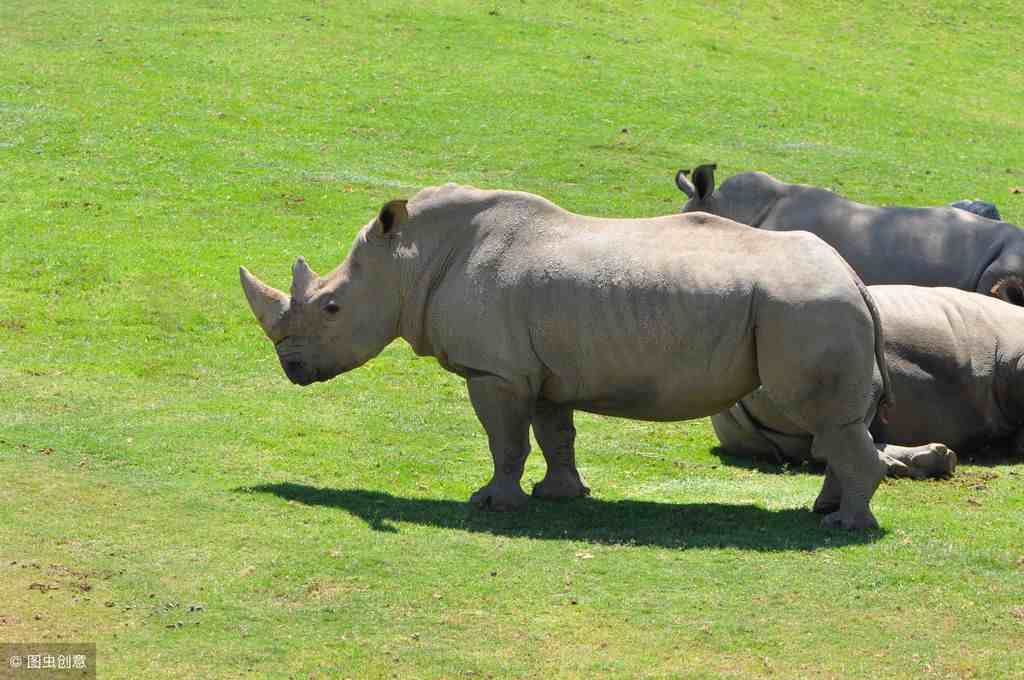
x: 624, y: 522
x: 766, y: 465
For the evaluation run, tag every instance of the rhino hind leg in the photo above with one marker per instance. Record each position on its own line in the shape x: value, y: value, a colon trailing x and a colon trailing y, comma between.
x: 931, y: 461
x: 853, y: 474
x: 554, y: 430
x: 504, y: 410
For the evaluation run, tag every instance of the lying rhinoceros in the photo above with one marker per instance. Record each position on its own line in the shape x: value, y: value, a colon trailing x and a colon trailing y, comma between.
x: 957, y: 365
x: 920, y: 246
x: 543, y: 312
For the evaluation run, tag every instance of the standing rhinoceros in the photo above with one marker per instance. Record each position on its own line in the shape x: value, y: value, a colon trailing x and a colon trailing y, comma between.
x: 543, y: 312
x: 920, y: 246
x: 957, y: 365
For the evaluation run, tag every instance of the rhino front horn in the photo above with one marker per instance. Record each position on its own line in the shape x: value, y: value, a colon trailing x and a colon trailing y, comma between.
x: 302, y: 279
x: 268, y: 304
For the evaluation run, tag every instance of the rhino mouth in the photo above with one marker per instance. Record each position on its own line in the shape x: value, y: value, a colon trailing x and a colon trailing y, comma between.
x: 304, y: 380
x: 302, y: 374
x: 298, y: 372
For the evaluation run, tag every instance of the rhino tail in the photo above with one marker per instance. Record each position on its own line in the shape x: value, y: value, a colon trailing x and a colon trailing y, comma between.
x: 886, y: 399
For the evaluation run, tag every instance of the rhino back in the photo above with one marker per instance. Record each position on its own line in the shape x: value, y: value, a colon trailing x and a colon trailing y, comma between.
x: 920, y: 246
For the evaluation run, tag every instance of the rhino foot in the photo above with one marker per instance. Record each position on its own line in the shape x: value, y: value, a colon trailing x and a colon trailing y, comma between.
x: 931, y: 461
x: 936, y: 461
x: 858, y: 521
x: 565, y: 486
x: 501, y: 497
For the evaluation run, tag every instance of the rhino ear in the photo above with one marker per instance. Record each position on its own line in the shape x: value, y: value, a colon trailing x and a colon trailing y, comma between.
x: 1010, y: 289
x: 391, y: 217
x: 683, y: 183
x: 267, y: 304
x: 704, y: 180
x: 303, y: 279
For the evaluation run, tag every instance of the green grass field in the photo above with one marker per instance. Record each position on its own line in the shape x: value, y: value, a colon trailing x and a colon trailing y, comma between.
x: 168, y: 495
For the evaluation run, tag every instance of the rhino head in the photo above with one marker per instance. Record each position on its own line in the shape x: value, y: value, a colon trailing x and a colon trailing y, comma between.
x: 745, y: 198
x: 327, y: 325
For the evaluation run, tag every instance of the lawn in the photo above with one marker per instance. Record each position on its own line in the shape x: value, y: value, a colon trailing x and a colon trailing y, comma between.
x: 165, y: 492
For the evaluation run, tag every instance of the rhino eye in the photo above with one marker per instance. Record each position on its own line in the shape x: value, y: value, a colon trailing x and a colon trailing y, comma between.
x: 331, y: 308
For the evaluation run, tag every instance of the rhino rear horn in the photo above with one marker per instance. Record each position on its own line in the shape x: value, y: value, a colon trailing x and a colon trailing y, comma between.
x: 302, y: 279
x: 704, y: 180
x: 267, y: 304
x: 683, y: 183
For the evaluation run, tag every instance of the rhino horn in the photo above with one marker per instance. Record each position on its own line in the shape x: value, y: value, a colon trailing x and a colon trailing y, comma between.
x: 268, y: 304
x: 302, y: 279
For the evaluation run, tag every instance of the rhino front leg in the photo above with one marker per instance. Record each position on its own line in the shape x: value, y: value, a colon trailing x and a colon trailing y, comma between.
x: 503, y: 408
x: 553, y: 428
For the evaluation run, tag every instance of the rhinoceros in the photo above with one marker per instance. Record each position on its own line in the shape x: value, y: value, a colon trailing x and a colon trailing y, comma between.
x: 940, y: 246
x: 957, y: 365
x: 544, y: 312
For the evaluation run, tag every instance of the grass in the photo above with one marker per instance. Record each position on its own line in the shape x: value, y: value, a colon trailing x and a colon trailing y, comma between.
x: 166, y: 494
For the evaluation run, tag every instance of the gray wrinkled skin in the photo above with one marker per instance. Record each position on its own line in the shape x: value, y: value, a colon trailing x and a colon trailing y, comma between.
x: 919, y: 246
x: 956, y: 361
x: 545, y: 312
